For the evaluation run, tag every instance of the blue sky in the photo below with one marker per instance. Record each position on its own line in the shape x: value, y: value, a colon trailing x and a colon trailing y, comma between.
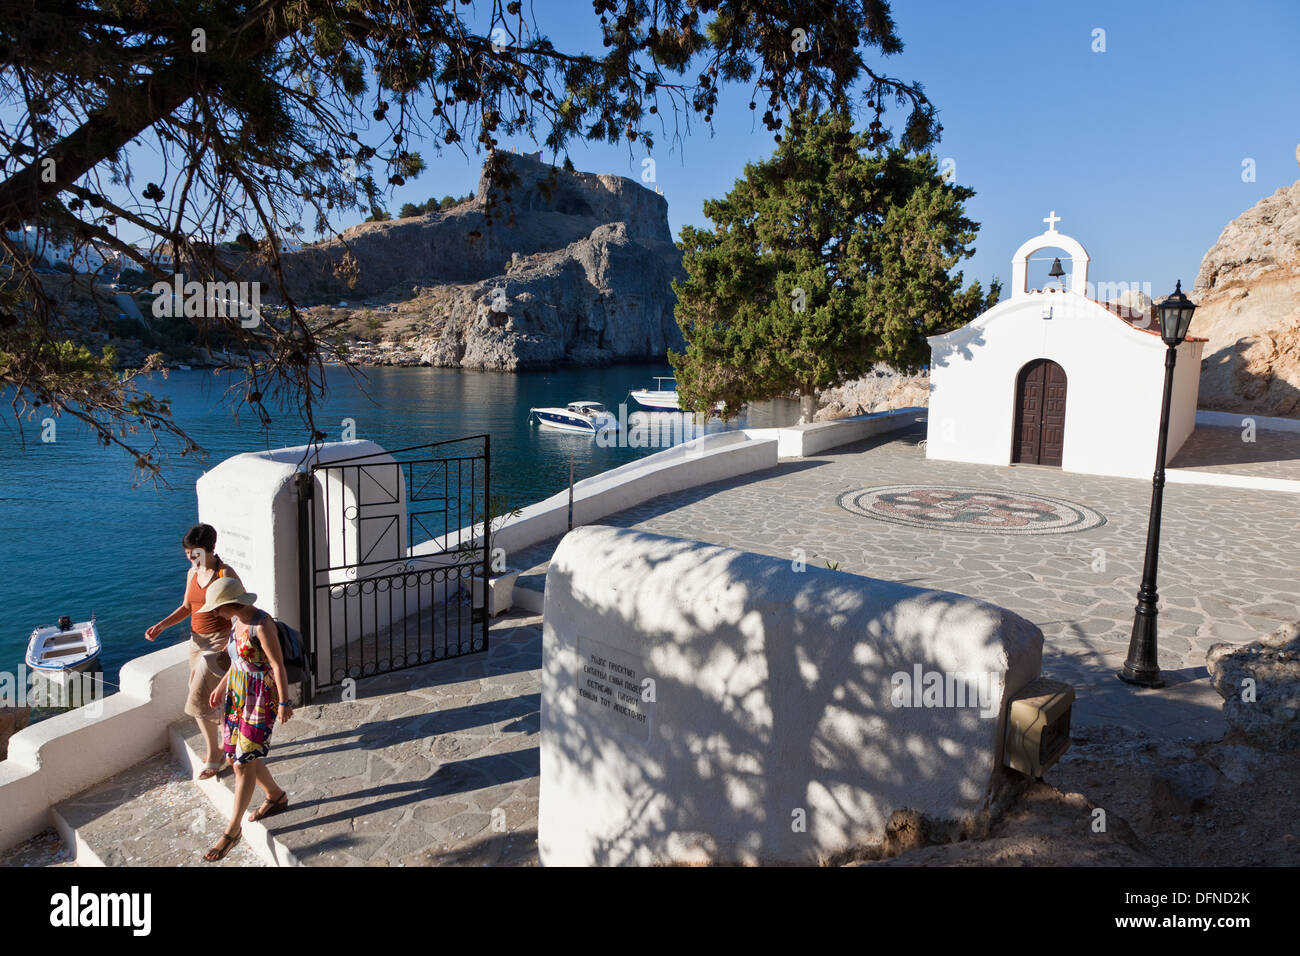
x: 1138, y: 148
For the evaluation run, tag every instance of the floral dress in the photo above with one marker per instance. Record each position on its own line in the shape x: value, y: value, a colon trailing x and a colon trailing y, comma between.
x: 251, y: 697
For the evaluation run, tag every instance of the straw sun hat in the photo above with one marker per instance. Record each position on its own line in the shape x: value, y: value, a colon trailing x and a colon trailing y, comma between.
x: 226, y: 591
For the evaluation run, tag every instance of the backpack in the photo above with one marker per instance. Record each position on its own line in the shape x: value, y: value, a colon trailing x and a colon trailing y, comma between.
x: 290, y: 644
x: 291, y: 652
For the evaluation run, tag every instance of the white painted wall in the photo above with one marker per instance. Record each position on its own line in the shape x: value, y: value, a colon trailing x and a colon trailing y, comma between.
x: 772, y: 697
x: 1187, y: 389
x: 1238, y: 419
x: 708, y: 458
x: 51, y: 760
x: 805, y: 441
x: 252, y: 501
x: 1115, y: 378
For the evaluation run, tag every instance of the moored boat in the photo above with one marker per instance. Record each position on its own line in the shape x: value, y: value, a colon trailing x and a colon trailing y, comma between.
x: 63, y: 649
x: 589, y: 417
x: 663, y: 399
x: 658, y: 397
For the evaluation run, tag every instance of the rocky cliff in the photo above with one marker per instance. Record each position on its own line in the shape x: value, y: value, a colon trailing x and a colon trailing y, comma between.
x: 569, y: 268
x: 1248, y: 305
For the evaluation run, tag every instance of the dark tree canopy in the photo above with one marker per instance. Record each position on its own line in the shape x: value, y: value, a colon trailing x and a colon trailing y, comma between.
x: 825, y: 259
x: 431, y: 205
x: 268, y: 114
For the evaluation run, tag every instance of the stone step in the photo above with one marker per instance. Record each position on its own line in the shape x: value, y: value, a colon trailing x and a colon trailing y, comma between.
x: 152, y: 814
x: 220, y: 798
x: 44, y: 849
x: 424, y: 766
x: 530, y: 588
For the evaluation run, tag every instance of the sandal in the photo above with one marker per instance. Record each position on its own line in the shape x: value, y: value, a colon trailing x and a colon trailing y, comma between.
x: 270, y: 808
x: 219, y: 851
x: 213, y: 769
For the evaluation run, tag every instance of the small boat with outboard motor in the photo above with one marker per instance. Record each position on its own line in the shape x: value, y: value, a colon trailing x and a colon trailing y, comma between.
x: 64, y: 649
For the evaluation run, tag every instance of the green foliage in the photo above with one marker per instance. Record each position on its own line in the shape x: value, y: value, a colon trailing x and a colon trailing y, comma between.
x: 298, y: 109
x: 53, y: 376
x: 129, y: 328
x: 823, y: 260
x: 498, y: 512
x: 432, y: 205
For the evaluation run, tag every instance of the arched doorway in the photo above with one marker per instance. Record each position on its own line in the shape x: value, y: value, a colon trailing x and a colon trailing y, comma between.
x: 1039, y: 436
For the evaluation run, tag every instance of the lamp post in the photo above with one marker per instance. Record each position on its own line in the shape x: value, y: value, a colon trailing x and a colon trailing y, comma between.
x: 1140, y: 667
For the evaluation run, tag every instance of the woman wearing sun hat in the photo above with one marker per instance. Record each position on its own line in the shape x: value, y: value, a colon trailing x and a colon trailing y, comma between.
x: 254, y: 702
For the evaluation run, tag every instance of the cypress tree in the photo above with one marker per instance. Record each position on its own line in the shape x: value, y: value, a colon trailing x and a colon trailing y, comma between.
x: 823, y: 260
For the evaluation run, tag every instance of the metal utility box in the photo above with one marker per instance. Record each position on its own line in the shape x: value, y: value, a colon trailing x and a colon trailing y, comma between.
x: 1038, y: 726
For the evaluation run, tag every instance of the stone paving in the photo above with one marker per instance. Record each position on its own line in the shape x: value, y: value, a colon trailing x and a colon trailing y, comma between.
x: 432, y: 765
x: 1272, y: 454
x: 44, y: 849
x: 148, y: 815
x: 1230, y: 562
x: 438, y: 764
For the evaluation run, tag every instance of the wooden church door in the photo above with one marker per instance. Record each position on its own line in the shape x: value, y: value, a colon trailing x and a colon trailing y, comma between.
x: 1040, y: 414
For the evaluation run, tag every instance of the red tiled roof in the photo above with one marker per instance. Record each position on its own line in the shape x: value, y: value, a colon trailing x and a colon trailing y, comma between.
x: 1140, y: 320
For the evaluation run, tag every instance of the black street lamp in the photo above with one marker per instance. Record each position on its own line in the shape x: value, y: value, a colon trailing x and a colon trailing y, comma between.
x: 1141, y: 667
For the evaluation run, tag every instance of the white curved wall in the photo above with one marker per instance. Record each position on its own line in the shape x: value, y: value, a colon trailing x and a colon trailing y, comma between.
x: 252, y: 501
x: 53, y: 759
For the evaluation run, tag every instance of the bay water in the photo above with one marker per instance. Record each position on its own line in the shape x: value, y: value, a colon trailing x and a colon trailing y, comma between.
x: 77, y: 538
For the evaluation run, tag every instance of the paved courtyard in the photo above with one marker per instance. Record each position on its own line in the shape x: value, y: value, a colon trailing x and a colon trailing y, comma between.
x: 1230, y: 561
x: 438, y: 764
x: 429, y: 766
x: 1271, y: 454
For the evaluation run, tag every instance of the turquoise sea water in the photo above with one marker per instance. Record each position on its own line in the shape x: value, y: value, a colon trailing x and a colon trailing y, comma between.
x: 77, y: 538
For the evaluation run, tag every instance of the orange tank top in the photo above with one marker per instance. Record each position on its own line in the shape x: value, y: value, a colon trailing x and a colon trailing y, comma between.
x: 196, y: 596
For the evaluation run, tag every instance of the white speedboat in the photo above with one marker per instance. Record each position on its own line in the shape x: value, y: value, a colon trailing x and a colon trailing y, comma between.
x: 658, y: 397
x: 590, y: 417
x: 663, y: 398
x: 64, y: 649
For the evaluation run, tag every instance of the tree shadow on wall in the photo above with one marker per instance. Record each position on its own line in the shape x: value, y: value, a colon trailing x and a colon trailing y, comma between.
x: 964, y: 350
x: 724, y: 773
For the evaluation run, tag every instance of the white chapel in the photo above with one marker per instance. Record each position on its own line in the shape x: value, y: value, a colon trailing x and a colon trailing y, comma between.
x: 1054, y: 377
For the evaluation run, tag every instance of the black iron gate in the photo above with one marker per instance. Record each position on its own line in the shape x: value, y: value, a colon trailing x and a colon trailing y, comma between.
x: 394, y: 559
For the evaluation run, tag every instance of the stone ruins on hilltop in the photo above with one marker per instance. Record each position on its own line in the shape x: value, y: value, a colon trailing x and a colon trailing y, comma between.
x: 570, y: 268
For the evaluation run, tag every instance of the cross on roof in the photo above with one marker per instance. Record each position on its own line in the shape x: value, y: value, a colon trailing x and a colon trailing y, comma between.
x: 1051, y: 221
